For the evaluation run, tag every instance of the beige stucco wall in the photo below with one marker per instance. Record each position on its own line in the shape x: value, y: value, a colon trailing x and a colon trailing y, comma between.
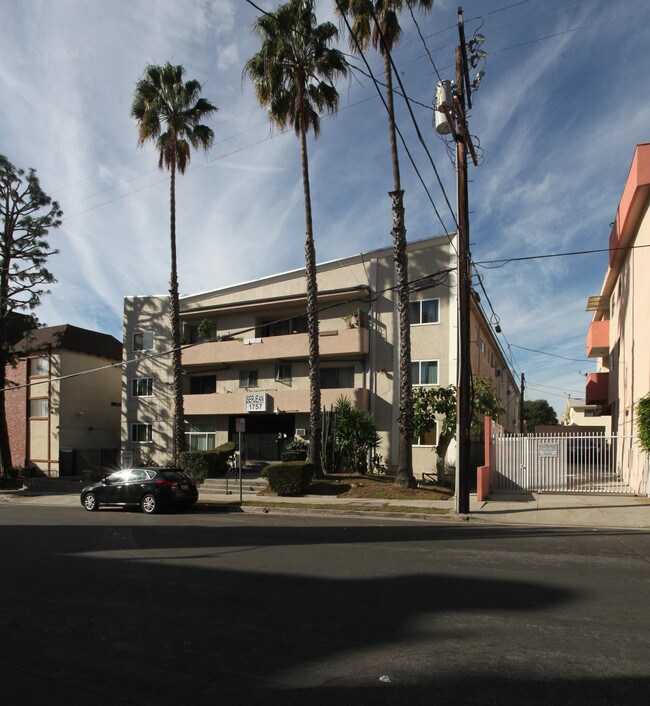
x: 238, y: 311
x: 630, y: 344
x: 84, y: 411
x: 42, y: 447
x: 89, y: 408
x: 143, y: 314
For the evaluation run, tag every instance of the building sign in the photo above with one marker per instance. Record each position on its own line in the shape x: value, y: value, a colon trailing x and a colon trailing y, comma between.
x: 547, y: 450
x: 256, y: 401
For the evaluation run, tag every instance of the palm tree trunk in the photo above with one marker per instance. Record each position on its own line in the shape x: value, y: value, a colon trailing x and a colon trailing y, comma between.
x: 312, y: 318
x: 175, y: 321
x: 404, y: 477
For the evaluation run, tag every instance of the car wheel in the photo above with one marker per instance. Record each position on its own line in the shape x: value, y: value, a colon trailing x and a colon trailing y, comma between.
x: 90, y: 502
x: 149, y: 504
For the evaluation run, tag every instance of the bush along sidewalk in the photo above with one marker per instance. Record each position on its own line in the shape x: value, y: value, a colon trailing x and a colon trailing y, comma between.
x: 200, y: 465
x: 289, y: 478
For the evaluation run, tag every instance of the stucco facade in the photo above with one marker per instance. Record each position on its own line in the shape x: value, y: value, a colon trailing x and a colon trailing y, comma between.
x: 262, y: 350
x: 619, y: 335
x: 59, y: 424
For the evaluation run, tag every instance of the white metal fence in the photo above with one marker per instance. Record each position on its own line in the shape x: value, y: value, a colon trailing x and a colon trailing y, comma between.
x: 580, y: 463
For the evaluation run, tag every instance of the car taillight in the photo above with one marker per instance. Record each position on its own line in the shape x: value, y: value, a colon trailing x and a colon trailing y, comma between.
x: 166, y: 483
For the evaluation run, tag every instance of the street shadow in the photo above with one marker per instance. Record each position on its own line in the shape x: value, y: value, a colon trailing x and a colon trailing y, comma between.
x: 145, y: 610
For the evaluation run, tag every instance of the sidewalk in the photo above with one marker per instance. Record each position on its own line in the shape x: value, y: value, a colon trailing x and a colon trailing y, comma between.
x: 597, y: 511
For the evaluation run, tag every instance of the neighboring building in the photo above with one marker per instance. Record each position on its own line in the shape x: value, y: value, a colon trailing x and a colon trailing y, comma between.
x: 619, y: 335
x: 258, y: 369
x: 586, y: 416
x: 65, y: 426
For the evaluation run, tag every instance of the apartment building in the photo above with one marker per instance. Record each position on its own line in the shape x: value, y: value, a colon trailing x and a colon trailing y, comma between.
x: 257, y: 370
x: 619, y: 334
x: 60, y: 420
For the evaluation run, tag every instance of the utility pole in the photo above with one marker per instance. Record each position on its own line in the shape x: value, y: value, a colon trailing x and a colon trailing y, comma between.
x: 456, y: 123
x: 521, y: 406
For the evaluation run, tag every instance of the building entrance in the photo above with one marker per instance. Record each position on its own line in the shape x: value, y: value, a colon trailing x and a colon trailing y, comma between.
x: 265, y: 437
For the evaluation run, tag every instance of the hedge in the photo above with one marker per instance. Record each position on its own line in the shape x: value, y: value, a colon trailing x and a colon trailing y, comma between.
x: 200, y: 465
x: 643, y: 422
x: 289, y: 477
x: 294, y: 455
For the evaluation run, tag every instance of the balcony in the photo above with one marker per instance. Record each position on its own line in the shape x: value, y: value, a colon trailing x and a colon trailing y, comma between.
x: 343, y: 343
x: 294, y: 401
x: 598, y: 339
x: 597, y: 389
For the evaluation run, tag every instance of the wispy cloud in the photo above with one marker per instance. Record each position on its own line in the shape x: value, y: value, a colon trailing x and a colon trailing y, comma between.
x: 557, y: 119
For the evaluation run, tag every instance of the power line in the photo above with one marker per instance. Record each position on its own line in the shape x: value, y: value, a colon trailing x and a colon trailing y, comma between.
x: 553, y: 355
x: 506, y: 261
x: 418, y: 282
x: 410, y: 110
x: 399, y: 132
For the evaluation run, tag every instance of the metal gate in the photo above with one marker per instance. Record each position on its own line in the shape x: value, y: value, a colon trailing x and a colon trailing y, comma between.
x: 580, y: 463
x: 262, y: 447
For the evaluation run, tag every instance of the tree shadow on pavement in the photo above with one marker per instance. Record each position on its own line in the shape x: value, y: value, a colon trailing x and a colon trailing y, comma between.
x: 141, y: 611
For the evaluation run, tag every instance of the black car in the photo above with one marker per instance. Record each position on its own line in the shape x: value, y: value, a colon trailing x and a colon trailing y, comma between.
x: 151, y: 489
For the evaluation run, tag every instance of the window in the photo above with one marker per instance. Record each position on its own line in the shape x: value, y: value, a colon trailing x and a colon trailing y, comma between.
x: 39, y: 367
x: 283, y: 372
x: 248, y: 378
x: 429, y: 438
x: 424, y: 372
x: 203, y: 385
x: 140, y: 433
x: 140, y: 475
x: 142, y: 387
x: 143, y: 341
x: 39, y: 408
x: 333, y: 378
x: 425, y: 311
x: 482, y: 346
x: 284, y: 327
x: 200, y: 437
x: 119, y: 477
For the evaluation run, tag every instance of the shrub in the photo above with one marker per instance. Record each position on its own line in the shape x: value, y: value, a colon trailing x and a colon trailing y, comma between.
x: 643, y: 422
x: 290, y: 477
x: 31, y: 471
x: 294, y: 455
x: 200, y: 465
x: 296, y: 450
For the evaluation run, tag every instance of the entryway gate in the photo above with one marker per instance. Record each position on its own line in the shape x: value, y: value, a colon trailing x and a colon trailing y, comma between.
x: 584, y: 463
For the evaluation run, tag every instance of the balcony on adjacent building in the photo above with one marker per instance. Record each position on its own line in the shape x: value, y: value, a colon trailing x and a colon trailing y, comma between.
x: 598, y: 339
x: 351, y: 342
x: 279, y: 401
x: 597, y: 389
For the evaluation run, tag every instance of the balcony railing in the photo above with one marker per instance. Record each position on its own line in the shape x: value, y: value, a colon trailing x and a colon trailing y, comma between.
x: 280, y: 401
x: 598, y: 339
x: 597, y: 390
x: 351, y: 342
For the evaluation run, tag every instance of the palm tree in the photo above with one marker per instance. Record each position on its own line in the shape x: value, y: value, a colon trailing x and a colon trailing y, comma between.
x: 293, y: 74
x: 169, y: 113
x: 376, y: 22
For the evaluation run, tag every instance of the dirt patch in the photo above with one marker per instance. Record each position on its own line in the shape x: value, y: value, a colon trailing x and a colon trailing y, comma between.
x: 374, y: 487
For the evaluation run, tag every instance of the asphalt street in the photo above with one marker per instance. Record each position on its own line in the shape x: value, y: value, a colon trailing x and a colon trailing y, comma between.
x: 203, y: 608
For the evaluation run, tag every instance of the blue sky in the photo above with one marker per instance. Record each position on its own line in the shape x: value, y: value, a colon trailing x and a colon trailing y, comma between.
x: 557, y: 116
